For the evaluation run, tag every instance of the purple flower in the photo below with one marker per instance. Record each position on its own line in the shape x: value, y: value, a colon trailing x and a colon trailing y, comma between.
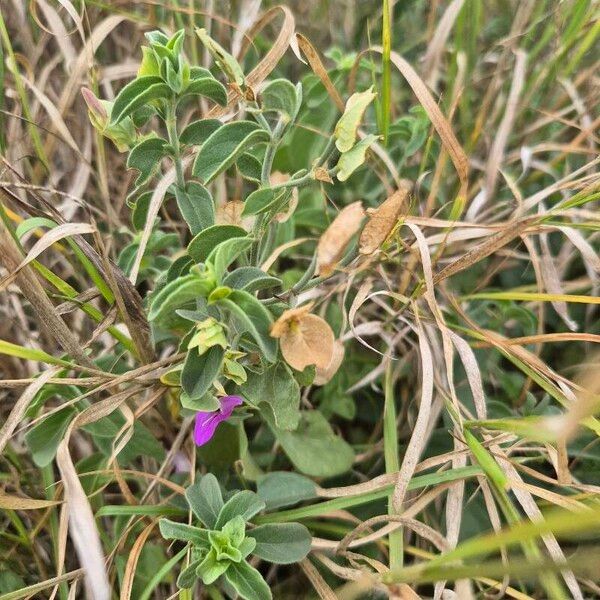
x: 207, y: 422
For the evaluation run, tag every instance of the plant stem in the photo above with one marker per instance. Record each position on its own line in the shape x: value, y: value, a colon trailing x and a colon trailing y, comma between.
x: 271, y: 150
x: 171, y: 123
x: 392, y: 461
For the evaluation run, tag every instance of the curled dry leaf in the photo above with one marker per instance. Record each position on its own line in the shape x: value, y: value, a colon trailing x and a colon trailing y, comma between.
x: 276, y: 178
x: 382, y: 221
x: 305, y: 339
x: 323, y: 376
x: 337, y: 236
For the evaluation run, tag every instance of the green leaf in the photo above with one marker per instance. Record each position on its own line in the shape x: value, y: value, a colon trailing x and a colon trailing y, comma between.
x: 172, y: 530
x: 197, y: 132
x: 177, y: 294
x: 278, y: 389
x: 225, y: 61
x: 247, y: 582
x: 281, y: 543
x: 352, y: 159
x: 244, y: 504
x: 205, y: 499
x: 313, y: 447
x: 149, y: 64
x: 135, y: 94
x: 222, y: 148
x: 285, y: 488
x: 345, y: 130
x: 140, y: 210
x: 208, y: 87
x: 263, y: 200
x: 11, y: 349
x: 250, y: 279
x: 187, y: 578
x: 210, y: 569
x: 226, y: 252
x: 254, y: 318
x: 205, y: 403
x: 43, y: 439
x: 145, y: 157
x: 205, y: 241
x: 196, y: 206
x: 200, y: 370
x: 250, y: 167
x: 281, y: 96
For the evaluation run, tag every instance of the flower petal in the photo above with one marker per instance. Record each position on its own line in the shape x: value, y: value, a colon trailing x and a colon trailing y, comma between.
x: 207, y: 422
x: 206, y: 425
x: 228, y: 403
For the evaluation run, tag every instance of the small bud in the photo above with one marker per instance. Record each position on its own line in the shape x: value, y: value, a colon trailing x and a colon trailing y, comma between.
x: 97, y: 111
x: 208, y: 333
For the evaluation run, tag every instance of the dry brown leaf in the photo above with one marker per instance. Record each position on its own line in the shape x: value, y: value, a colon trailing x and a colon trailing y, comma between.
x: 321, y: 174
x: 319, y: 69
x: 305, y: 339
x: 8, y: 502
x: 230, y: 213
x: 325, y: 375
x: 382, y: 221
x: 333, y: 242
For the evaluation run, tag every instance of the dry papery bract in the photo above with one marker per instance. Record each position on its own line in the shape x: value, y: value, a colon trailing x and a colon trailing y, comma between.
x: 337, y: 236
x: 305, y: 339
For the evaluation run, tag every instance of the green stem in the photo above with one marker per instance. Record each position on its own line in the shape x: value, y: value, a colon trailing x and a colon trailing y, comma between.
x: 392, y: 461
x: 171, y: 123
x: 271, y: 150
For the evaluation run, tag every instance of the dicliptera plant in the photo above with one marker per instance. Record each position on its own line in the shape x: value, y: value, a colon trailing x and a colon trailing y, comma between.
x: 223, y: 544
x: 246, y: 346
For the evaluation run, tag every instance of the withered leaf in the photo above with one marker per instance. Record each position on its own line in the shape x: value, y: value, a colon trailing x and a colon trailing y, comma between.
x: 382, y: 221
x: 305, y: 339
x: 230, y: 213
x: 323, y: 376
x: 337, y: 236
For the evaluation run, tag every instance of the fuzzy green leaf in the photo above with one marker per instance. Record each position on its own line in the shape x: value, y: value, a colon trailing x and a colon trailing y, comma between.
x: 281, y: 543
x: 197, y: 132
x: 222, y: 148
x: 135, y: 94
x: 177, y: 294
x: 205, y: 499
x: 251, y: 316
x: 196, y: 206
x: 247, y: 582
x: 285, y: 488
x: 281, y: 96
x: 226, y: 252
x: 172, y: 530
x: 200, y: 370
x: 276, y: 388
x: 264, y: 199
x: 208, y: 87
x: 245, y: 504
x: 205, y: 241
x: 146, y: 157
x: 250, y: 279
x: 314, y: 448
